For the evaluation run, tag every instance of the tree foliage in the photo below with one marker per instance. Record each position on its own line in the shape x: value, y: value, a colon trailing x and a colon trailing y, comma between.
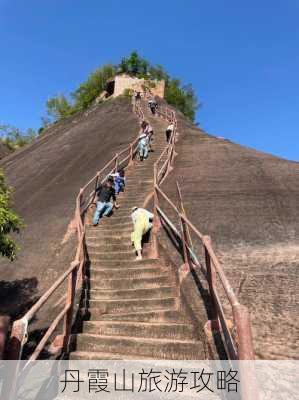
x: 58, y: 107
x: 14, y: 138
x: 134, y: 65
x: 9, y: 221
x: 88, y: 91
x: 180, y: 96
x: 176, y: 94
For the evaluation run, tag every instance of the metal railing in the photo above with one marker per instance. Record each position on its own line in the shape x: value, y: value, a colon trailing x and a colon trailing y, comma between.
x: 237, y: 338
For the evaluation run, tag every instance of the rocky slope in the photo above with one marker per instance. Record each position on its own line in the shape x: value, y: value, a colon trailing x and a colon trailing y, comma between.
x: 248, y: 201
x: 47, y: 176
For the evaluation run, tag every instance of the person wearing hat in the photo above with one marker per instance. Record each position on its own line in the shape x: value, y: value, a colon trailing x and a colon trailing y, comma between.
x: 142, y: 221
x: 105, y: 193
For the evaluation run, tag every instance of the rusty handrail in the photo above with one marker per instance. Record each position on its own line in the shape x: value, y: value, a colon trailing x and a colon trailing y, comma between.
x: 241, y: 315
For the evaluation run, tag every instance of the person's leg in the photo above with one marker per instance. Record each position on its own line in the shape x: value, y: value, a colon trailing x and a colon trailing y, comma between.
x: 151, y: 139
x: 98, y: 212
x: 141, y: 152
x: 117, y: 187
x: 145, y: 152
x: 121, y: 186
x: 108, y: 209
x: 168, y: 136
x: 137, y: 237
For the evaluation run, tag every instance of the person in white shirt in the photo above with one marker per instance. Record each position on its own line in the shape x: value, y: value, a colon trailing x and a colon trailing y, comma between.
x: 147, y: 129
x: 143, y: 146
x: 142, y: 221
x: 168, y: 132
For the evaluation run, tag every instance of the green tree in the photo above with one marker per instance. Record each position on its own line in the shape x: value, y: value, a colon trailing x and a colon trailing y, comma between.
x: 9, y: 221
x: 134, y: 65
x: 89, y: 90
x: 182, y: 97
x: 59, y: 107
x: 14, y: 138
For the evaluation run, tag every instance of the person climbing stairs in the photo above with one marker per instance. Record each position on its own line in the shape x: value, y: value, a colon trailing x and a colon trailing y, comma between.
x: 134, y: 307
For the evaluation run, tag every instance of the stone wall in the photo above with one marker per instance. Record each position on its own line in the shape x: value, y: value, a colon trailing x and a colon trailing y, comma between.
x: 123, y: 82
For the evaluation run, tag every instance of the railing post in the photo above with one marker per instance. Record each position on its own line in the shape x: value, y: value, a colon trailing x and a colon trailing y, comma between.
x: 155, y: 252
x: 244, y: 334
x: 4, y: 326
x: 116, y: 163
x: 17, y: 339
x: 96, y: 185
x: 249, y: 387
x: 211, y: 277
x: 68, y: 319
x: 131, y: 154
x: 184, y: 240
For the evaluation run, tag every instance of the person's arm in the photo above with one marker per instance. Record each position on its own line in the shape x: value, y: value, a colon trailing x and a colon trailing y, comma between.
x: 148, y: 213
x: 99, y: 189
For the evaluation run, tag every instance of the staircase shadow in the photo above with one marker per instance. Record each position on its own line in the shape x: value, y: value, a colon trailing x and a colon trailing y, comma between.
x: 16, y: 297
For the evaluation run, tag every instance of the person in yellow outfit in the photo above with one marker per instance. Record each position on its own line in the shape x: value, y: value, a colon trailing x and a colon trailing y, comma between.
x: 142, y: 220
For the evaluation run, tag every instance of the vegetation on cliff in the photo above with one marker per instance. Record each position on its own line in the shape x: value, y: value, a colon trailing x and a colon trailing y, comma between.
x: 181, y: 96
x: 9, y: 221
x: 59, y: 107
x: 13, y: 138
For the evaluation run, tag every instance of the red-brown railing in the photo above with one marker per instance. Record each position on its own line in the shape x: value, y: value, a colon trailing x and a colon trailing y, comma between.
x: 237, y: 336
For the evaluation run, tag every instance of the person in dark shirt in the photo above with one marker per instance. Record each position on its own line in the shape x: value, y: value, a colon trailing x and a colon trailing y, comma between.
x: 153, y: 106
x: 104, y: 193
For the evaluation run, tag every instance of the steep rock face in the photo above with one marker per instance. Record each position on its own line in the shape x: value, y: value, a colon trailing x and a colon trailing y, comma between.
x: 248, y: 202
x: 47, y: 176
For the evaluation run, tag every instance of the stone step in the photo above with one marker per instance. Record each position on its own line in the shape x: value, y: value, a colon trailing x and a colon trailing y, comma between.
x: 163, y: 291
x: 132, y: 305
x: 96, y: 355
x: 141, y: 329
x: 115, y: 255
x: 104, y: 230
x: 123, y: 219
x: 156, y: 348
x: 106, y: 245
x: 129, y: 203
x: 144, y: 174
x: 116, y: 219
x: 113, y: 240
x: 146, y: 262
x: 135, y: 184
x: 130, y: 181
x: 114, y: 235
x: 169, y: 315
x: 137, y: 192
x: 132, y: 283
x: 133, y: 273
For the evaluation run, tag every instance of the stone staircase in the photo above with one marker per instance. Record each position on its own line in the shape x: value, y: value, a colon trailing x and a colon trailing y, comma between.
x: 135, y: 310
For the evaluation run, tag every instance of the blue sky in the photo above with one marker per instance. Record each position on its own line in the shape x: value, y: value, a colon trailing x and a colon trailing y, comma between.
x: 241, y: 57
